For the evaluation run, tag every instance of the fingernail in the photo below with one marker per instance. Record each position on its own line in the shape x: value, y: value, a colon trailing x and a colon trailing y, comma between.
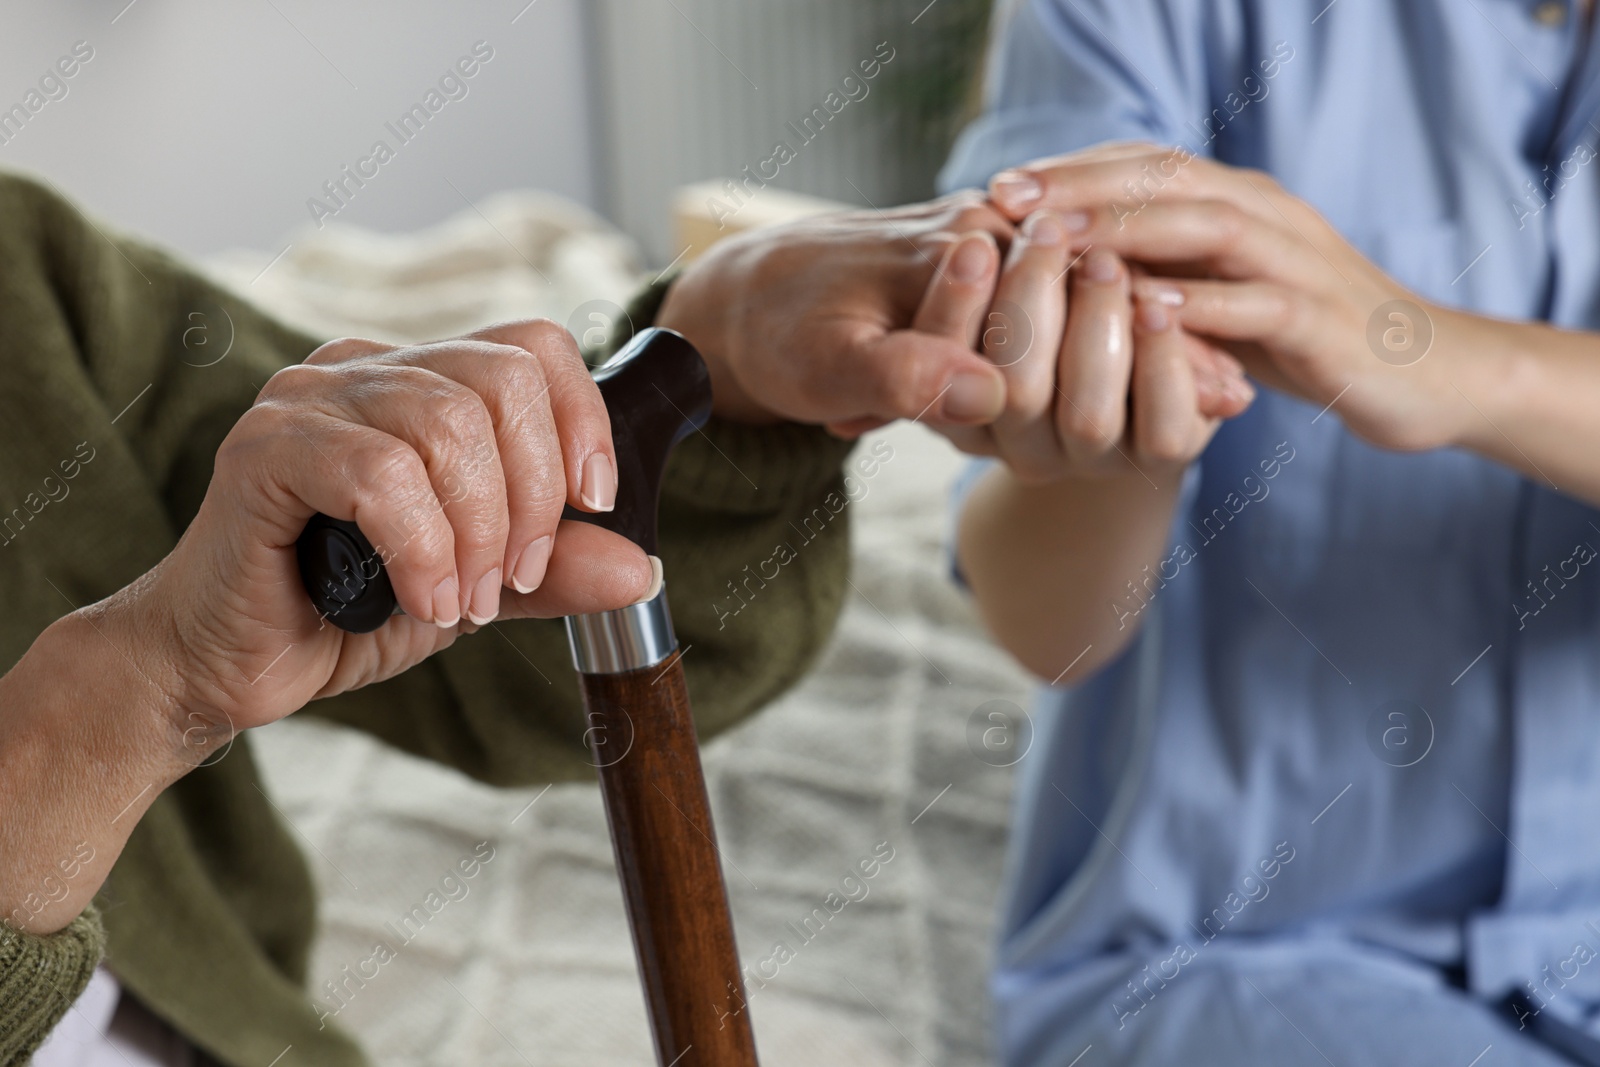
x: 599, y: 489
x: 1044, y: 229
x: 1102, y: 266
x: 974, y: 398
x: 1153, y: 317
x: 446, y: 605
x: 1170, y: 295
x: 1015, y: 189
x: 1075, y: 221
x: 970, y: 262
x: 1240, y: 389
x: 657, y: 576
x: 529, y: 570
x: 485, y: 604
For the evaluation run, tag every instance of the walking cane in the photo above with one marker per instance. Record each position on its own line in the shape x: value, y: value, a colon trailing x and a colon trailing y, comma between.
x: 639, y: 727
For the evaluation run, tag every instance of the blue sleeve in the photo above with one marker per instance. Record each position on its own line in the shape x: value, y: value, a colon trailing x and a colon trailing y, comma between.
x: 959, y: 492
x: 1067, y: 74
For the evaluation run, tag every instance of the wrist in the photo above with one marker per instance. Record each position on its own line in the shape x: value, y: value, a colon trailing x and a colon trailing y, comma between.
x: 701, y: 305
x: 1490, y: 366
x: 89, y: 741
x: 141, y: 697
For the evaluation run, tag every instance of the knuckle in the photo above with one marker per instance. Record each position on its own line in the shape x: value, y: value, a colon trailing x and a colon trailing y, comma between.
x: 546, y: 496
x: 299, y: 380
x: 1228, y: 219
x: 391, y: 473
x: 1166, y: 442
x: 1285, y: 311
x: 904, y: 384
x: 457, y: 414
x: 515, y: 376
x: 342, y: 349
x: 548, y: 338
x: 257, y: 430
x: 1089, y: 428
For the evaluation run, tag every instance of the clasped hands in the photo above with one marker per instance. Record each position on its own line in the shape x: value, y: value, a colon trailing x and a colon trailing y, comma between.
x: 1116, y: 296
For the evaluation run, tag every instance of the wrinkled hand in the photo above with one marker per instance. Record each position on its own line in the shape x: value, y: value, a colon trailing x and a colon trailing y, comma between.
x: 454, y: 458
x: 810, y: 321
x: 1259, y: 270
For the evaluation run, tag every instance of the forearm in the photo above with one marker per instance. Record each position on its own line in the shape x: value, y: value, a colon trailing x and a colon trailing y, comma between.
x: 1050, y: 566
x: 88, y: 739
x: 1528, y: 395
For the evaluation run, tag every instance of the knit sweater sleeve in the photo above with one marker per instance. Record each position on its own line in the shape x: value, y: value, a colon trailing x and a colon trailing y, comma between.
x: 40, y: 978
x: 160, y: 363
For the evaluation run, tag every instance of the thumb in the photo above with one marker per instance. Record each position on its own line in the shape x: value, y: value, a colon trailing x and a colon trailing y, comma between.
x: 932, y: 369
x: 590, y: 570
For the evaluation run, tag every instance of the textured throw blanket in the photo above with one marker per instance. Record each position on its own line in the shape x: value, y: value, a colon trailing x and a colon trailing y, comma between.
x: 529, y: 962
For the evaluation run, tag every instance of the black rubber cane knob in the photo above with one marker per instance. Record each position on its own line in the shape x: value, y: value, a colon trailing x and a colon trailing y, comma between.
x: 344, y: 575
x: 657, y: 392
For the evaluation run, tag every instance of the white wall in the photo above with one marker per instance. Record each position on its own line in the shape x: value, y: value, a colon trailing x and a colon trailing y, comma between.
x: 209, y: 125
x: 697, y: 89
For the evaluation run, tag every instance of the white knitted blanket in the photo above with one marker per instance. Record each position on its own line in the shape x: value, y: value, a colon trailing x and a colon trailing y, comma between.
x: 529, y: 961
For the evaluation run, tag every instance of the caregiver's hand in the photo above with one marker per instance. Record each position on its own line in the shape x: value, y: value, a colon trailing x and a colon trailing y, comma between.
x: 1284, y: 290
x: 809, y: 321
x: 1098, y: 383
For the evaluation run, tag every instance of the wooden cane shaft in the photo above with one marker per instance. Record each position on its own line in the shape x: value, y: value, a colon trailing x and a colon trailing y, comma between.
x: 642, y: 735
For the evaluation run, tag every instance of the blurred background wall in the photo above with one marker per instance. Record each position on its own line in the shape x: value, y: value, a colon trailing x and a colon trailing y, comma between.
x: 210, y: 126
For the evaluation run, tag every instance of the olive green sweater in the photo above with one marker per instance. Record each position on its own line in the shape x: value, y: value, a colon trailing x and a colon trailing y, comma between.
x: 209, y: 914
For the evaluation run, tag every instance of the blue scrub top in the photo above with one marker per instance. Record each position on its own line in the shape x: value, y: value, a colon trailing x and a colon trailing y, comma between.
x: 1364, y: 705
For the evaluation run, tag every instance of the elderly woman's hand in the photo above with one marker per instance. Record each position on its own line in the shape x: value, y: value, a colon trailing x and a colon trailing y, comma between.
x: 811, y: 321
x: 455, y: 458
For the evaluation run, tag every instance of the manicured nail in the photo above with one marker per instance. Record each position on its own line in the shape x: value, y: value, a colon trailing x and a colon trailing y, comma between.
x: 1015, y: 189
x: 1076, y: 221
x: 1170, y: 295
x: 1044, y: 229
x: 972, y: 259
x: 529, y: 571
x: 657, y: 576
x: 485, y: 606
x: 446, y: 604
x: 599, y: 483
x: 1153, y: 317
x: 1102, y: 266
x: 974, y: 398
